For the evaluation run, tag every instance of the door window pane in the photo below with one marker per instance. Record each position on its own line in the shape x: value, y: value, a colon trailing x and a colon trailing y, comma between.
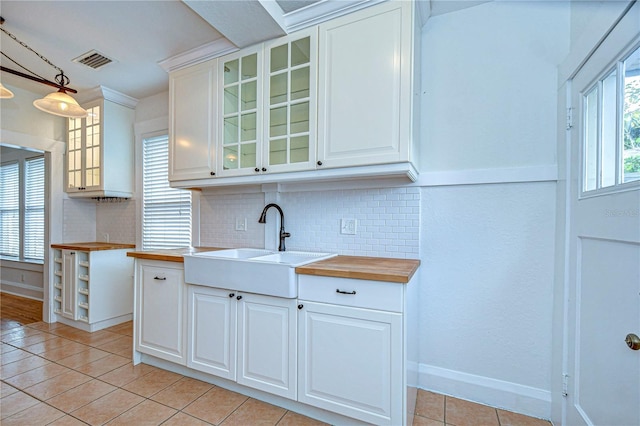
x: 231, y: 72
x: 631, y: 118
x: 300, y: 51
x: 231, y: 99
x: 250, y: 66
x: 248, y: 155
x: 279, y: 57
x: 591, y: 139
x: 609, y: 138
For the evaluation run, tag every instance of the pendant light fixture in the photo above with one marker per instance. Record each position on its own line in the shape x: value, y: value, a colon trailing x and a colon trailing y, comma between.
x: 5, y: 93
x: 57, y: 103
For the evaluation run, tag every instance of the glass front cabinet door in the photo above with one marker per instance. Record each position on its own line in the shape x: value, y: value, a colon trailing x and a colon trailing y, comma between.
x: 268, y: 107
x: 84, y: 151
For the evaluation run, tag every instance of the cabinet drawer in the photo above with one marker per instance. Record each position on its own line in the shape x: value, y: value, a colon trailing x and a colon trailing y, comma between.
x: 352, y: 292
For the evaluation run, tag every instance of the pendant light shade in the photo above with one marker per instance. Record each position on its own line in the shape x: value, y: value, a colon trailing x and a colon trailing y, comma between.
x: 5, y: 93
x: 59, y: 103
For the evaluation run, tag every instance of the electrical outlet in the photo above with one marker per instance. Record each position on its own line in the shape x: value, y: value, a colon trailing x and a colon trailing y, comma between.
x: 105, y: 237
x: 241, y: 224
x: 348, y: 226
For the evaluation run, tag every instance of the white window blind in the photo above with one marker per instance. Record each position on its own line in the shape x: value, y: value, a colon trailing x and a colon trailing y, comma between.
x: 34, y: 209
x: 166, y: 217
x: 10, y: 209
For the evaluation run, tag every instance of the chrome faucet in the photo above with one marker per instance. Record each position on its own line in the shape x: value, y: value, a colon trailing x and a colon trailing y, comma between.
x: 283, y: 234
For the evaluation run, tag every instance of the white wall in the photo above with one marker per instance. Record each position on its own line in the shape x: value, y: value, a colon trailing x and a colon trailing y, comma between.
x: 489, y: 115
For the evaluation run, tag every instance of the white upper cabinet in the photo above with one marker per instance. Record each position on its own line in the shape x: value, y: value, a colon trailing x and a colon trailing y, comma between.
x: 192, y: 128
x: 268, y: 105
x: 240, y: 118
x: 323, y: 102
x: 365, y: 95
x: 290, y: 102
x: 100, y: 151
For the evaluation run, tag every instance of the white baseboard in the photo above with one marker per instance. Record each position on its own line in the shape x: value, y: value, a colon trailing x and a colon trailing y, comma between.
x: 90, y: 328
x: 509, y: 396
x: 22, y: 290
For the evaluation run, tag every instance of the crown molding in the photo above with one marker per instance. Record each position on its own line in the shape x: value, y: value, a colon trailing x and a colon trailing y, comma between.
x: 203, y: 53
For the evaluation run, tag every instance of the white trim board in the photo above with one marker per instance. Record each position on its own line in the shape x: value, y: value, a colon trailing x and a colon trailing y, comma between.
x: 510, y: 396
x: 487, y: 176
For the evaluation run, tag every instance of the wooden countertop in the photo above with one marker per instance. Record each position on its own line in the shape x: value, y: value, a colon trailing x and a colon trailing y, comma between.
x: 364, y: 268
x: 92, y: 246
x: 169, y: 255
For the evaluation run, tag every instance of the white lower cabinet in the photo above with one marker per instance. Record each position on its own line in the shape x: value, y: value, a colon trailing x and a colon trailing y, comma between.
x: 244, y: 337
x: 159, y: 315
x: 351, y: 359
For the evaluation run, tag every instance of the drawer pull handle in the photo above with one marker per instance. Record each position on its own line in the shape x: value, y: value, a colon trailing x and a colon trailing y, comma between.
x: 160, y: 279
x: 345, y: 292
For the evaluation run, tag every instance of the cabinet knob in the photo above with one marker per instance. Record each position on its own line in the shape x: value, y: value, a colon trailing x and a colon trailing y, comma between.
x: 319, y: 163
x: 264, y: 169
x: 300, y: 306
x: 256, y: 170
x: 239, y: 297
x: 212, y: 173
x: 231, y: 294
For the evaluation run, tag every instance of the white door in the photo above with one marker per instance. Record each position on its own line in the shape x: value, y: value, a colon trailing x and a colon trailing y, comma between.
x: 602, y: 372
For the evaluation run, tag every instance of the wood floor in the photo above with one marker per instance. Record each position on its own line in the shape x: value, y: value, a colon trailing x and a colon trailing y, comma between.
x: 16, y: 311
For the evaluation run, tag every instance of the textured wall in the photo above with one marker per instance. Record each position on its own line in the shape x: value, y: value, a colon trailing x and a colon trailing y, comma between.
x: 118, y: 220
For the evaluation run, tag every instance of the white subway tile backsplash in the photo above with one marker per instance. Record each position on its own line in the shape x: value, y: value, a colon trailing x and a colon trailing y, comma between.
x: 118, y: 220
x: 79, y: 221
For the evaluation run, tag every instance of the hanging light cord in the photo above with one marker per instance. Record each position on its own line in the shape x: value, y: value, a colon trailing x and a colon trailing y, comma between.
x: 61, y: 79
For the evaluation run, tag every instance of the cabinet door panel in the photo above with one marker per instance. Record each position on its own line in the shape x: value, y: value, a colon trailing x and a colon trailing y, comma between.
x: 69, y: 285
x: 350, y: 361
x: 362, y: 118
x: 160, y: 313
x: 212, y: 331
x: 267, y: 344
x: 193, y: 113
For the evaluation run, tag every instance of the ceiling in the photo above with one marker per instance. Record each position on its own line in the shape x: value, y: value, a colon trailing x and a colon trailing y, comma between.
x: 138, y: 35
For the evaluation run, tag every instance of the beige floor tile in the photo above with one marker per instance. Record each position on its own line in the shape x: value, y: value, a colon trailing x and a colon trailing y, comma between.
x: 48, y: 345
x: 82, y: 358
x: 96, y: 338
x: 68, y: 349
x: 37, y: 375
x: 32, y: 339
x: 13, y: 356
x: 103, y: 366
x: 15, y: 403
x: 182, y: 393
x: 423, y: 421
x: 254, y: 412
x: 18, y: 367
x: 6, y: 348
x: 182, y: 419
x: 18, y: 333
x: 67, y: 421
x: 126, y: 374
x: 81, y: 395
x: 295, y: 419
x: 57, y: 385
x: 70, y: 333
x: 215, y: 405
x: 508, y: 418
x: 45, y: 326
x: 39, y: 414
x: 108, y: 407
x: 146, y: 413
x: 430, y: 405
x: 152, y: 383
x: 125, y: 328
x: 465, y: 413
x: 6, y: 389
x: 122, y: 346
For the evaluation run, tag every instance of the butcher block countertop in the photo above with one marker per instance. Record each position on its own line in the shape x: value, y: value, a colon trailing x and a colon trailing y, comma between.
x: 364, y: 268
x: 169, y: 255
x: 92, y: 246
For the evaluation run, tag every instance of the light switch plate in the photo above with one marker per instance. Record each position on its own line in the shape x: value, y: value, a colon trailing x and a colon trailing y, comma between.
x: 348, y: 226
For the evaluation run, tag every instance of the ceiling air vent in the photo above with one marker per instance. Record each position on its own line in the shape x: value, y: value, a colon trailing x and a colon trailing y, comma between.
x: 93, y: 59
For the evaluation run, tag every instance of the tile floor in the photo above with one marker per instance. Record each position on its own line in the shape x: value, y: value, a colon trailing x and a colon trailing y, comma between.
x: 53, y: 374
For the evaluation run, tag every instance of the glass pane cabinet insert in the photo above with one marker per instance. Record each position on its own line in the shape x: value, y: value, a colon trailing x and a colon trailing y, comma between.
x: 289, y: 97
x: 240, y: 110
x: 84, y: 150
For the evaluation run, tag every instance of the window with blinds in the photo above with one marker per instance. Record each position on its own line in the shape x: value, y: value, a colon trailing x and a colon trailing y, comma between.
x: 166, y: 216
x: 22, y: 197
x: 10, y: 209
x: 34, y: 208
